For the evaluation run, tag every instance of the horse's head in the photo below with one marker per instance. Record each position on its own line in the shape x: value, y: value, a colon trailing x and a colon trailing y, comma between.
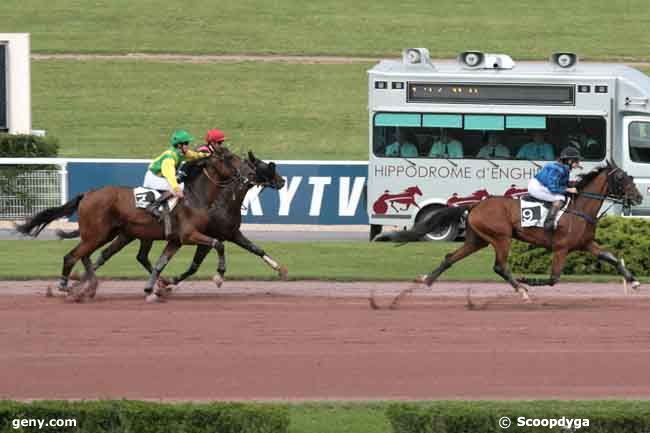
x: 263, y: 173
x: 219, y: 167
x: 414, y: 190
x: 621, y: 185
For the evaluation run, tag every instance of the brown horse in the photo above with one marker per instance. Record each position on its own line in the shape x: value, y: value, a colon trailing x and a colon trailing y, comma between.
x: 496, y: 221
x: 108, y: 211
x: 224, y: 224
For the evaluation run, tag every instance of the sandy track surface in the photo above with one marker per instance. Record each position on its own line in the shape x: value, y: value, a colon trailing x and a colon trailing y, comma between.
x: 320, y: 340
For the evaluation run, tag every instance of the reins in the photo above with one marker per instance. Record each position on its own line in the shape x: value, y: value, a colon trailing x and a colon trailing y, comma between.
x: 236, y: 177
x: 602, y: 197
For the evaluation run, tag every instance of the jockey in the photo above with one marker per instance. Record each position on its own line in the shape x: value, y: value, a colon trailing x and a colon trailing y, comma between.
x: 552, y: 183
x: 161, y: 174
x: 213, y: 140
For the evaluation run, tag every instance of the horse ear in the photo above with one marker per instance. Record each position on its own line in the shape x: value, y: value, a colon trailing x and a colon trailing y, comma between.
x: 251, y: 157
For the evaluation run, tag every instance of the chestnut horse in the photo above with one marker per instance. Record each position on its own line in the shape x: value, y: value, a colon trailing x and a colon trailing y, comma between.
x: 108, y: 211
x: 224, y: 221
x: 496, y: 221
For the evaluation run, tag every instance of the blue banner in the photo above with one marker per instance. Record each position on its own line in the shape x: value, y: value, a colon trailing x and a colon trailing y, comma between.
x: 315, y: 193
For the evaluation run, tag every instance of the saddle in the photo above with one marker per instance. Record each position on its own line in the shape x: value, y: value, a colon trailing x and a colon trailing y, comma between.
x: 534, y: 211
x: 145, y: 196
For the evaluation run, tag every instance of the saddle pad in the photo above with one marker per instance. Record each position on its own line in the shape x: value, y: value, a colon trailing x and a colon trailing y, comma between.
x: 144, y: 197
x: 533, y: 213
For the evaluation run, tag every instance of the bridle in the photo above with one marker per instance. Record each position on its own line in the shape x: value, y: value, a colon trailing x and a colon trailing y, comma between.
x: 239, y: 177
x: 615, y: 195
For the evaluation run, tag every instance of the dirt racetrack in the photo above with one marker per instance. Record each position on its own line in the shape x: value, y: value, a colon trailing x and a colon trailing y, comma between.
x: 320, y: 340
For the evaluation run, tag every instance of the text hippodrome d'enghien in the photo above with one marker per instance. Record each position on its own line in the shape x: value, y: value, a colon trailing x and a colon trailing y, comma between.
x: 447, y: 172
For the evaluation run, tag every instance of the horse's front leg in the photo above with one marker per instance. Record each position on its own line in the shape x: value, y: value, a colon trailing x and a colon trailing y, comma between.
x: 246, y: 244
x: 559, y: 260
x: 198, y: 238
x: 199, y: 255
x: 170, y: 249
x: 610, y: 258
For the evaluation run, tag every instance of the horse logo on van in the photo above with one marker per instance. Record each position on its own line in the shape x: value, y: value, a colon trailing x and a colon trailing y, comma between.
x: 475, y: 197
x: 405, y: 198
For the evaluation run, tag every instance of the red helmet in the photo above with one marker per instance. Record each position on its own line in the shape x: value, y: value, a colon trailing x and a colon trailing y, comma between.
x: 214, y: 135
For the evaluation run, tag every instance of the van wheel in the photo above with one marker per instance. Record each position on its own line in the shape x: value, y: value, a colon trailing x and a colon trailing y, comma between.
x: 447, y: 232
x: 375, y: 229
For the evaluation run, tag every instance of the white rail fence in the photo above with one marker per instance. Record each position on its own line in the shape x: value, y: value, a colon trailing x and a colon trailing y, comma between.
x: 30, y: 185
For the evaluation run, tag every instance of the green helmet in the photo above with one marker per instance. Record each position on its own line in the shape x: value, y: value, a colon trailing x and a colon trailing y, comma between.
x: 180, y: 136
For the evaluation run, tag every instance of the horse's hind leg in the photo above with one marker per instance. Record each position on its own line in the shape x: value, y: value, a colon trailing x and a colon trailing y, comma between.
x: 89, y: 280
x: 501, y: 251
x: 472, y: 244
x: 85, y: 248
x: 116, y: 246
x: 199, y: 255
x: 69, y: 261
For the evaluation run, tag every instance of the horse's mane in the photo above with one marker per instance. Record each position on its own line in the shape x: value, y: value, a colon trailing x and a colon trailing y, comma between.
x: 193, y: 169
x: 585, y: 179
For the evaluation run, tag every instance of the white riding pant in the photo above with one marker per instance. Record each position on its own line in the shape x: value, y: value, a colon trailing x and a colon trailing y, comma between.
x: 157, y: 182
x: 537, y: 190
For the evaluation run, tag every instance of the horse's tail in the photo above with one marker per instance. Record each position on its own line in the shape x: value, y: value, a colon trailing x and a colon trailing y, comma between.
x: 62, y: 234
x: 34, y: 225
x: 436, y: 219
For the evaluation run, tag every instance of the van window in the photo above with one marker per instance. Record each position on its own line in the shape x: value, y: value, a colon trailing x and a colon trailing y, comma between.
x: 639, y: 140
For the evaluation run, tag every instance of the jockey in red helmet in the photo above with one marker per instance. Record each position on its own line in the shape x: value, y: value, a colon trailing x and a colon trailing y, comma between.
x: 213, y: 140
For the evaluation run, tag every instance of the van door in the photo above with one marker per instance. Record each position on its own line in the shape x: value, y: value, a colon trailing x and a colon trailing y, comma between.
x: 636, y: 157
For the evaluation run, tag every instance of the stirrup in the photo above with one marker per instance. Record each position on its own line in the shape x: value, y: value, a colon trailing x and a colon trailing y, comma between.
x: 154, y: 210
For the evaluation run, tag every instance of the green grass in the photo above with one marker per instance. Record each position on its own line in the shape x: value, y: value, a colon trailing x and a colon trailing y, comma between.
x: 338, y: 417
x: 522, y: 28
x: 336, y: 260
x: 129, y: 109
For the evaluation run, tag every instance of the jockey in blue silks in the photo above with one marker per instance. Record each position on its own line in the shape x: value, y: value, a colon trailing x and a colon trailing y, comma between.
x: 552, y: 183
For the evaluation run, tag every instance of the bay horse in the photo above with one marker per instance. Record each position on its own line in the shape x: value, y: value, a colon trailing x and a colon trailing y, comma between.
x: 496, y: 221
x: 224, y: 221
x: 106, y: 212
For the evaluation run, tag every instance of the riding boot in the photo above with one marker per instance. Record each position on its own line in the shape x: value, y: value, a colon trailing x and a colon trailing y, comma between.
x: 549, y: 223
x: 153, y: 208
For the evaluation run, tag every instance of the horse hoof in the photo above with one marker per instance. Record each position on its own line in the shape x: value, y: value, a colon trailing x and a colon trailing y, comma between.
x: 92, y: 288
x: 523, y: 292
x: 163, y: 282
x: 217, y: 280
x: 75, y: 297
x: 423, y: 279
x: 636, y: 285
x: 48, y: 292
x: 284, y: 273
x: 153, y: 298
